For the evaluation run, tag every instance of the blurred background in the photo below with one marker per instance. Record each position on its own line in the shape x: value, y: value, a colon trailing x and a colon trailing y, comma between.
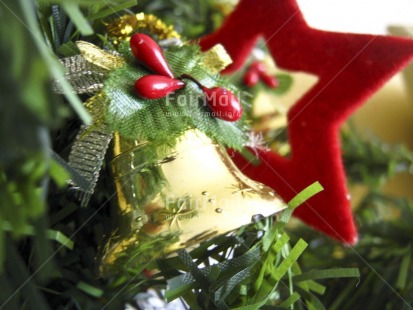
x: 367, y: 16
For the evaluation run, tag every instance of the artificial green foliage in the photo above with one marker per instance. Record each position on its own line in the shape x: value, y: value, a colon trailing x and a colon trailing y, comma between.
x: 371, y: 161
x: 383, y: 256
x: 256, y: 266
x: 169, y: 117
x: 130, y: 263
x: 191, y: 18
x: 29, y: 108
x: 27, y: 111
x: 34, y: 230
x: 64, y: 21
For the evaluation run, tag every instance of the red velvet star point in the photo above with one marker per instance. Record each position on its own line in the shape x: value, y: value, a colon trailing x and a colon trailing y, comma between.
x: 350, y: 68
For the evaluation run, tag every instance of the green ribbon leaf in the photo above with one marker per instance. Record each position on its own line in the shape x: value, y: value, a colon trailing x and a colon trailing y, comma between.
x: 169, y: 117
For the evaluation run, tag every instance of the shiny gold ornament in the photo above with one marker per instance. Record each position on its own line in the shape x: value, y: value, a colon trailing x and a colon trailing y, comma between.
x: 216, y: 59
x: 122, y: 28
x: 192, y: 191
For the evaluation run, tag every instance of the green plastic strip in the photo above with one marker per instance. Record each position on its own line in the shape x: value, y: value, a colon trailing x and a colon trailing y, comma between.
x: 228, y: 269
x: 60, y: 238
x: 276, y: 248
x: 58, y: 173
x: 73, y: 10
x: 404, y: 269
x: 290, y: 300
x: 300, y: 198
x: 311, y: 285
x: 328, y: 274
x: 313, y: 303
x: 89, y: 289
x: 23, y: 280
x: 52, y: 234
x: 286, y: 264
x: 112, y: 9
x: 267, y: 287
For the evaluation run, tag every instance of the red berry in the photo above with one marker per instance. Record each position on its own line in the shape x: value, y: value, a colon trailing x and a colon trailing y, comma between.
x: 223, y: 103
x: 251, y: 78
x: 149, y: 54
x: 270, y: 81
x: 258, y: 66
x: 156, y: 86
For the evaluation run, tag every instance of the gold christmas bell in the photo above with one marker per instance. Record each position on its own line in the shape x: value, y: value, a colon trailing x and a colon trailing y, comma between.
x: 169, y: 196
x: 187, y: 195
x: 177, y: 196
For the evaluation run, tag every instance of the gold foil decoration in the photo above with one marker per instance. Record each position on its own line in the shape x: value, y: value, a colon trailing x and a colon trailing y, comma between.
x: 99, y: 57
x: 122, y: 28
x: 192, y: 190
x: 225, y: 6
x: 216, y: 59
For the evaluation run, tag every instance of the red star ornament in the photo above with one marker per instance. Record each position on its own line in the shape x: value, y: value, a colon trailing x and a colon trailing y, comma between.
x: 350, y: 67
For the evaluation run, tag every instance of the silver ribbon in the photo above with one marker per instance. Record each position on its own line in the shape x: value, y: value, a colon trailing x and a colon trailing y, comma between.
x: 83, y: 76
x: 89, y: 149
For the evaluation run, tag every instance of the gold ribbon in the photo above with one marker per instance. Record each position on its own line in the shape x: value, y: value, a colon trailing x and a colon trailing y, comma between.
x: 99, y: 57
x: 122, y: 28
